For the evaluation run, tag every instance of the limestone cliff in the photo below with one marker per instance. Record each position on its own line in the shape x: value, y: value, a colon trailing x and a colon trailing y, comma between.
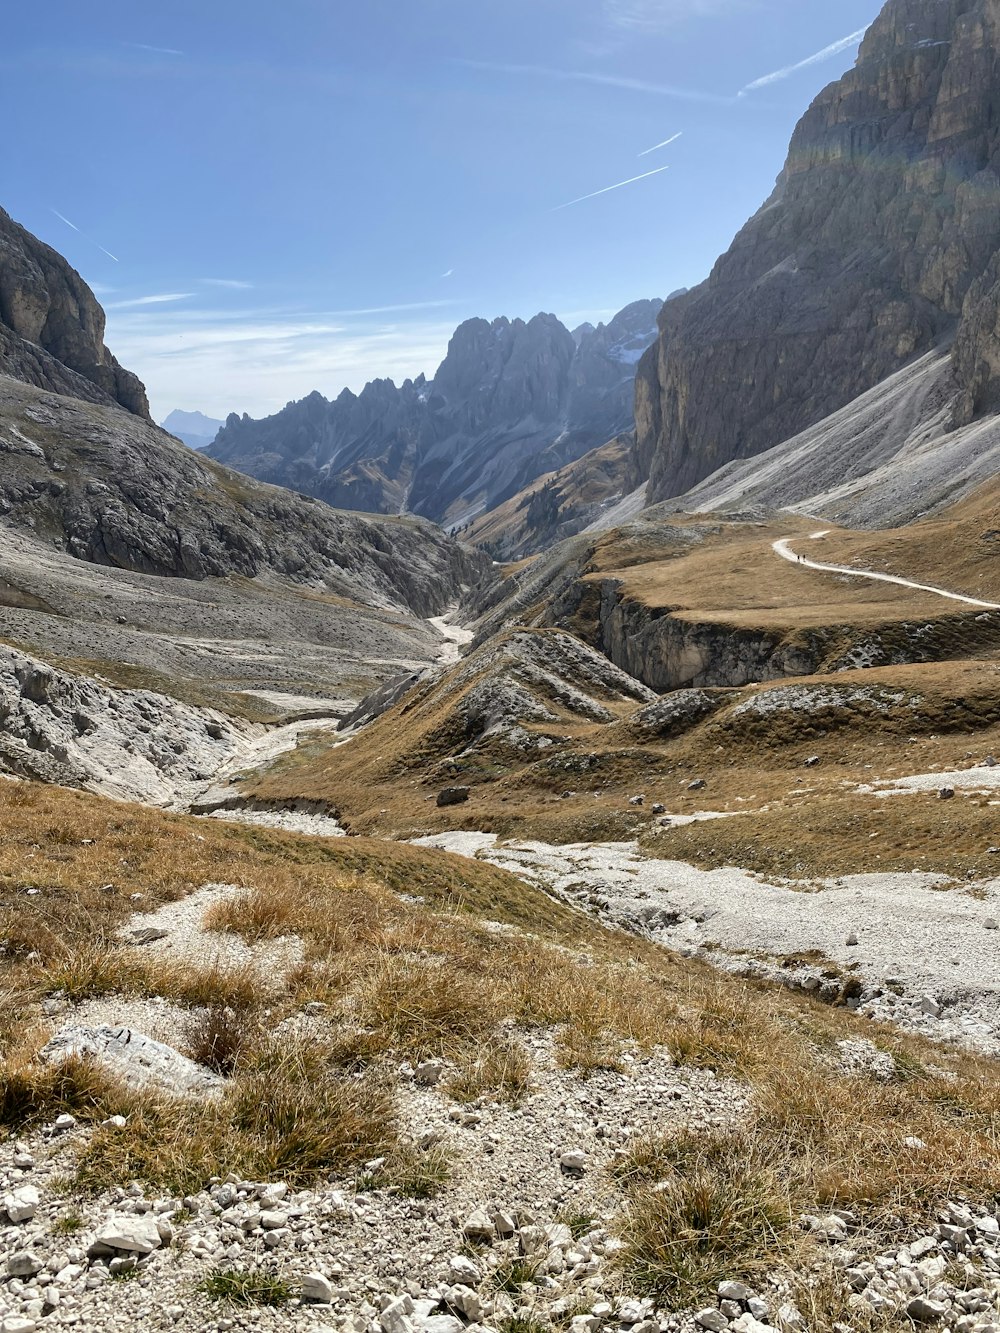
x: 879, y: 242
x: 52, y: 327
x: 512, y: 401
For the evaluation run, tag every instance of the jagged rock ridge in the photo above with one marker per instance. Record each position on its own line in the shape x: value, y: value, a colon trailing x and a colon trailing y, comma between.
x: 511, y: 401
x: 879, y: 243
x: 52, y: 327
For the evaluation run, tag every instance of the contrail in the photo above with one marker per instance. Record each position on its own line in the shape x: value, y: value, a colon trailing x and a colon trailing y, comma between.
x: 75, y: 228
x: 66, y: 220
x: 608, y: 188
x: 157, y: 50
x: 833, y: 50
x: 665, y: 144
x: 602, y: 80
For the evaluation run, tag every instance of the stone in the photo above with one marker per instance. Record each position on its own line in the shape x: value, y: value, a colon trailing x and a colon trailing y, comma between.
x: 659, y: 809
x: 21, y: 1204
x: 396, y: 1317
x: 574, y: 1160
x: 830, y: 1228
x: 453, y: 796
x: 463, y: 1299
x: 479, y: 1227
x: 813, y: 761
x: 273, y: 1220
x: 714, y: 1320
x: 135, y: 1058
x: 462, y: 1271
x: 138, y: 1235
x: 946, y: 794
x: 24, y: 1264
x: 636, y: 800
x: 930, y: 1006
x: 852, y: 940
x: 584, y: 1323
x: 441, y: 1323
x: 316, y: 1289
x: 699, y: 784
x: 734, y: 1291
x: 429, y: 1072
x: 922, y: 1310
x: 18, y: 1324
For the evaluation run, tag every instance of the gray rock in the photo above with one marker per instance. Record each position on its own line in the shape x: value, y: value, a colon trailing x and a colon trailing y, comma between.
x: 316, y: 1289
x: 23, y: 1263
x: 453, y: 796
x: 135, y: 1058
x: 922, y: 1310
x: 714, y: 1320
x: 20, y: 1204
x: 135, y: 1234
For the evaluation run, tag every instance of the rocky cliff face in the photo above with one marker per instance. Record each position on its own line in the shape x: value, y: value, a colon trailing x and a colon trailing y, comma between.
x: 52, y: 327
x: 879, y: 242
x: 511, y: 401
x: 109, y: 488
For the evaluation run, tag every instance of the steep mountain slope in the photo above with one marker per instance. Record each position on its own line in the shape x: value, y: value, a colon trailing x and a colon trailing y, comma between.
x: 107, y: 487
x: 878, y: 244
x: 887, y: 458
x: 194, y: 428
x: 52, y: 328
x: 126, y: 555
x: 556, y: 505
x: 511, y: 401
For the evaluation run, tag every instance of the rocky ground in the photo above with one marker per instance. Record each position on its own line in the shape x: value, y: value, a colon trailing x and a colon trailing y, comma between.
x: 909, y: 949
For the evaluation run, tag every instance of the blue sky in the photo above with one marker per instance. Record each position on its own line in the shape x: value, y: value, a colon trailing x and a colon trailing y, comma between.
x: 308, y: 194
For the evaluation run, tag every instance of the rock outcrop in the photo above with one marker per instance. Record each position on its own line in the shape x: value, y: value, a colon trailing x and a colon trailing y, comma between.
x: 879, y: 243
x: 510, y: 402
x: 52, y: 327
x: 107, y: 487
x: 133, y: 745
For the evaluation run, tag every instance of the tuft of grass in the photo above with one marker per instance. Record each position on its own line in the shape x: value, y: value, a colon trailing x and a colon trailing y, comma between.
x: 290, y: 1113
x: 417, y: 1173
x: 514, y: 1274
x: 718, y: 1210
x: 580, y: 1224
x: 68, y: 1225
x: 246, y: 1287
x: 215, y: 1037
x: 501, y: 1069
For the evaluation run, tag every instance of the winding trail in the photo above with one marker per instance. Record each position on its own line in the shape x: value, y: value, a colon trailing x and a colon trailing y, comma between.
x: 783, y: 549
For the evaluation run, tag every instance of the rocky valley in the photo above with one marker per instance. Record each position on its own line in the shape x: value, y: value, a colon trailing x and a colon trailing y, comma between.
x: 518, y: 852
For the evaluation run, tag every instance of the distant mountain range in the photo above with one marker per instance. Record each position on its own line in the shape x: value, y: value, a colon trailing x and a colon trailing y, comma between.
x: 194, y: 428
x: 511, y: 401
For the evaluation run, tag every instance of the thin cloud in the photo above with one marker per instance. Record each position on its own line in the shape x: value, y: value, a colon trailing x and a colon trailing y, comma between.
x: 608, y: 188
x: 448, y: 274
x: 156, y: 50
x: 233, y: 284
x: 84, y: 235
x: 386, y: 309
x: 834, y: 49
x: 665, y: 144
x: 162, y: 298
x: 655, y: 15
x: 602, y: 80
x: 256, y: 361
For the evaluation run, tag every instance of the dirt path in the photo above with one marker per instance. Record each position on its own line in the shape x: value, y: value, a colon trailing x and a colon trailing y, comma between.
x: 784, y: 550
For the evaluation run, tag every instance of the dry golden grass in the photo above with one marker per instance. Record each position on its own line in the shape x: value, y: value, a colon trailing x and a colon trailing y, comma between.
x: 958, y: 549
x: 402, y: 978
